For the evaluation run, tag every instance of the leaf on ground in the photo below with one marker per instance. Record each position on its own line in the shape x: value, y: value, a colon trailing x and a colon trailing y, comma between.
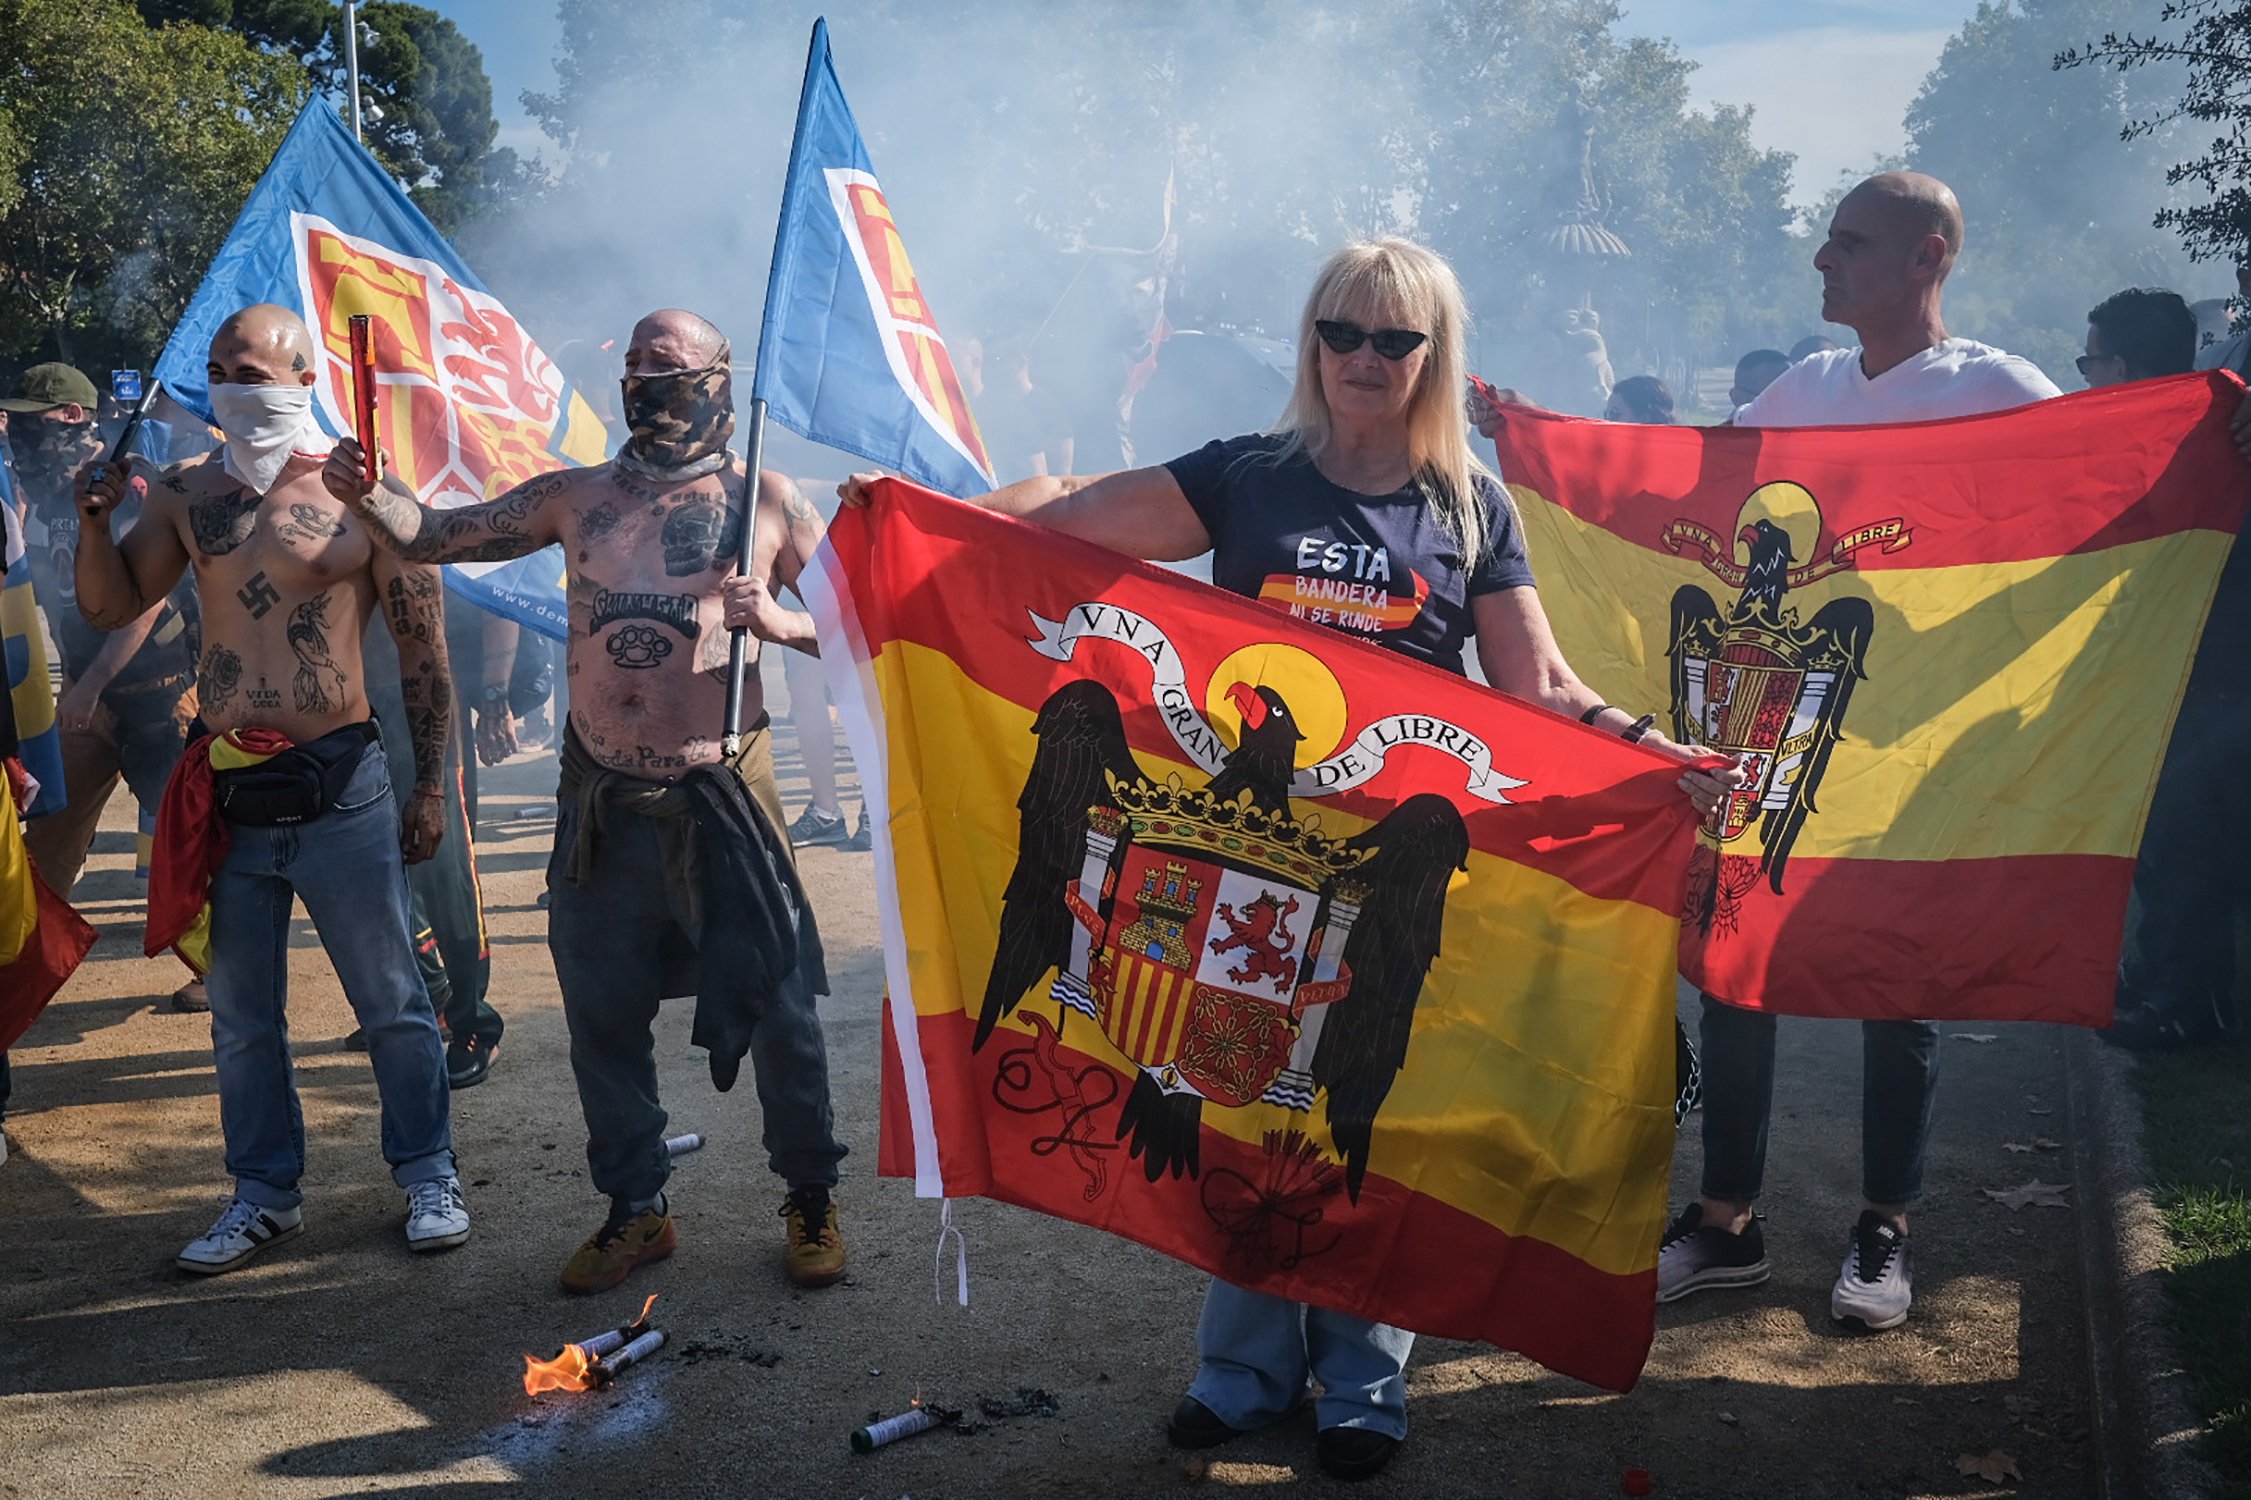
x: 2014, y: 1146
x: 2043, y: 1143
x: 1974, y: 1036
x: 2034, y: 1194
x: 2036, y: 1110
x: 1993, y: 1467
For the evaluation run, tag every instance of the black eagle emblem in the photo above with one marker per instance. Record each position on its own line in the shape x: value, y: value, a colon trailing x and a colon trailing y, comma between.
x: 1757, y: 681
x: 1087, y: 801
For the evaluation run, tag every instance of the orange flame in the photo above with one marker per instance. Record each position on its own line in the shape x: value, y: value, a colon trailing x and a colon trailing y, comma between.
x: 570, y: 1370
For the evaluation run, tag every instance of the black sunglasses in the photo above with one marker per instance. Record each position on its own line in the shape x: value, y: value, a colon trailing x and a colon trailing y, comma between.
x: 2084, y: 360
x: 1391, y: 343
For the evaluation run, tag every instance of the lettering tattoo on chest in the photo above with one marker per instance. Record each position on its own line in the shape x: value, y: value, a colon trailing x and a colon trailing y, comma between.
x: 675, y: 610
x: 319, y: 682
x: 309, y: 523
x: 219, y: 679
x: 221, y: 523
x: 258, y: 595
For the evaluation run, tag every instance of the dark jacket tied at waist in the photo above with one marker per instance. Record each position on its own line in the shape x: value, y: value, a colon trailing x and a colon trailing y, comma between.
x: 729, y: 878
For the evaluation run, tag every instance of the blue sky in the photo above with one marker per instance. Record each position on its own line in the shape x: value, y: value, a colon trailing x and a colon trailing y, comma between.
x: 1830, y: 79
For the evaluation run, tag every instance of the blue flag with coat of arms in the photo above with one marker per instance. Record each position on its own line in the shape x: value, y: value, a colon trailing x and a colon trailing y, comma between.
x: 467, y: 403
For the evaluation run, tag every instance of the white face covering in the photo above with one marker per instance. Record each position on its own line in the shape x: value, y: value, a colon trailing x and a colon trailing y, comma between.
x: 265, y: 425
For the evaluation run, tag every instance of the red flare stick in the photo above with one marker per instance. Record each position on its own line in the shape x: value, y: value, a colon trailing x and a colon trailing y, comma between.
x: 363, y: 393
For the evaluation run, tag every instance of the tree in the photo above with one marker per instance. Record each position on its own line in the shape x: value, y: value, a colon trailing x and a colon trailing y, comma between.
x: 432, y: 126
x: 2058, y: 206
x: 2215, y: 47
x: 132, y: 150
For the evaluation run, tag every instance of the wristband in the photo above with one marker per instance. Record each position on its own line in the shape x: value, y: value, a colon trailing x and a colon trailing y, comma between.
x: 1594, y: 713
x: 1633, y: 732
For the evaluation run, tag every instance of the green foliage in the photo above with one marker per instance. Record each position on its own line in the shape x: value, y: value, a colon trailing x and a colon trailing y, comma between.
x: 128, y: 151
x: 2214, y: 45
x: 2059, y: 206
x: 2198, y: 1139
x: 432, y: 126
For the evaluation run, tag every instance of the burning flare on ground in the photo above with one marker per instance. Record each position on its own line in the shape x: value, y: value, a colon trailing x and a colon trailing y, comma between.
x: 578, y: 1367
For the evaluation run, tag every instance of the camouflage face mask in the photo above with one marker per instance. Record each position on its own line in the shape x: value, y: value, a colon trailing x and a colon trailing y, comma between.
x: 680, y: 420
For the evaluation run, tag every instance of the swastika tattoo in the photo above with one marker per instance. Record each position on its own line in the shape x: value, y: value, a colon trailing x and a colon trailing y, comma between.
x: 258, y: 596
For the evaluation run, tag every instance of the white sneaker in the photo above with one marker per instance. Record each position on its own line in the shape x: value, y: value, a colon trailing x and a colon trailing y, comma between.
x: 242, y: 1231
x: 1877, y: 1284
x: 436, y: 1216
x: 3, y: 1148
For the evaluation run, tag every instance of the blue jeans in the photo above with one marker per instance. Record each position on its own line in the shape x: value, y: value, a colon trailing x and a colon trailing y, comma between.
x: 1258, y: 1352
x: 345, y: 866
x: 1899, y: 1083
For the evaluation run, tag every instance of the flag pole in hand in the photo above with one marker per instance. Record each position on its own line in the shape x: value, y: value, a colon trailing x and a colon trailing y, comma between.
x: 738, y: 644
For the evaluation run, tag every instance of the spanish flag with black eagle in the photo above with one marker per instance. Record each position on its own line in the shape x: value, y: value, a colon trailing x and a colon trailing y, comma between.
x: 1948, y: 653
x: 1333, y: 974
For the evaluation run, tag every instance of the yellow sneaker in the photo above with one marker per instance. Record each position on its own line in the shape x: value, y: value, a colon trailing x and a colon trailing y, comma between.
x: 624, y: 1241
x: 816, y: 1248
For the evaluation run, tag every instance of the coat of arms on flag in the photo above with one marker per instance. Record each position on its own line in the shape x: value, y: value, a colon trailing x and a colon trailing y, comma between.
x: 1947, y: 653
x: 1328, y: 972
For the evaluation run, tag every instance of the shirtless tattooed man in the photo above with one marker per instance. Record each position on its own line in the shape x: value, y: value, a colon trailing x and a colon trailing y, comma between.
x: 288, y: 580
x: 650, y: 541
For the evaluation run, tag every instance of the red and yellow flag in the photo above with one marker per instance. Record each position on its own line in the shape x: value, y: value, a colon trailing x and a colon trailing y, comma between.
x: 1333, y: 974
x: 1950, y: 653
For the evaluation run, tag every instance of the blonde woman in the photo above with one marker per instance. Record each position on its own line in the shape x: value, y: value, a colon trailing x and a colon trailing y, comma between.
x: 1368, y: 480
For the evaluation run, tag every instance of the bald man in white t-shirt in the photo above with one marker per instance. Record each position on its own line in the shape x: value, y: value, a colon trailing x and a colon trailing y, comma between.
x: 1883, y: 269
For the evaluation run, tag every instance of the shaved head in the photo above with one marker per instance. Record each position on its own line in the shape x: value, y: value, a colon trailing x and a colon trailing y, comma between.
x: 263, y: 345
x: 1918, y: 205
x: 1891, y: 243
x: 672, y: 338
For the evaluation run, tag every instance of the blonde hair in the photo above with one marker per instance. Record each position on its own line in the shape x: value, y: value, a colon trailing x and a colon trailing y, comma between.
x: 1395, y: 282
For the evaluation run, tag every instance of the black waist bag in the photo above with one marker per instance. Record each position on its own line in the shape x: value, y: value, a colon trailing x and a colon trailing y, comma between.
x: 295, y: 786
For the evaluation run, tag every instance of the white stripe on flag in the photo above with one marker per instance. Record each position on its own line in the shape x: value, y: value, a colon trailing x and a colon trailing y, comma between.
x: 851, y: 685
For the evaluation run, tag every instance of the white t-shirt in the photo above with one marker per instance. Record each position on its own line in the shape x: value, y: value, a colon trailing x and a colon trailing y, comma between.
x: 1957, y: 378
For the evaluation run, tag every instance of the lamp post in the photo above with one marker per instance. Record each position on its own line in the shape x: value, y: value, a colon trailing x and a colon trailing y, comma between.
x: 352, y: 60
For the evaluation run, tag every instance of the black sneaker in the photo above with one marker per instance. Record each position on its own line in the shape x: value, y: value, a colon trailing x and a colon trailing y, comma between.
x: 861, y: 840
x: 814, y: 828
x: 1696, y: 1258
x: 469, y: 1060
x: 1195, y: 1425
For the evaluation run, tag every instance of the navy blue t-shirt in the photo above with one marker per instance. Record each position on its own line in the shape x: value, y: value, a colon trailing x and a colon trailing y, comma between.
x: 1380, y: 567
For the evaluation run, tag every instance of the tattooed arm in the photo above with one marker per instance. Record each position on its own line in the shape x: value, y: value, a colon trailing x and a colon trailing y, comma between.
x: 119, y: 582
x: 414, y: 609
x: 749, y: 599
x: 517, y: 524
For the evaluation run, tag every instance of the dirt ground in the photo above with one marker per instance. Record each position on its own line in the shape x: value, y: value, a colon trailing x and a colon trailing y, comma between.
x: 341, y: 1365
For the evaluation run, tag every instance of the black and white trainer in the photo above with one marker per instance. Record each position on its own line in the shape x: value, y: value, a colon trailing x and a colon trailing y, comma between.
x: 437, y: 1217
x: 243, y: 1229
x: 814, y: 828
x: 1699, y: 1257
x: 1877, y: 1285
